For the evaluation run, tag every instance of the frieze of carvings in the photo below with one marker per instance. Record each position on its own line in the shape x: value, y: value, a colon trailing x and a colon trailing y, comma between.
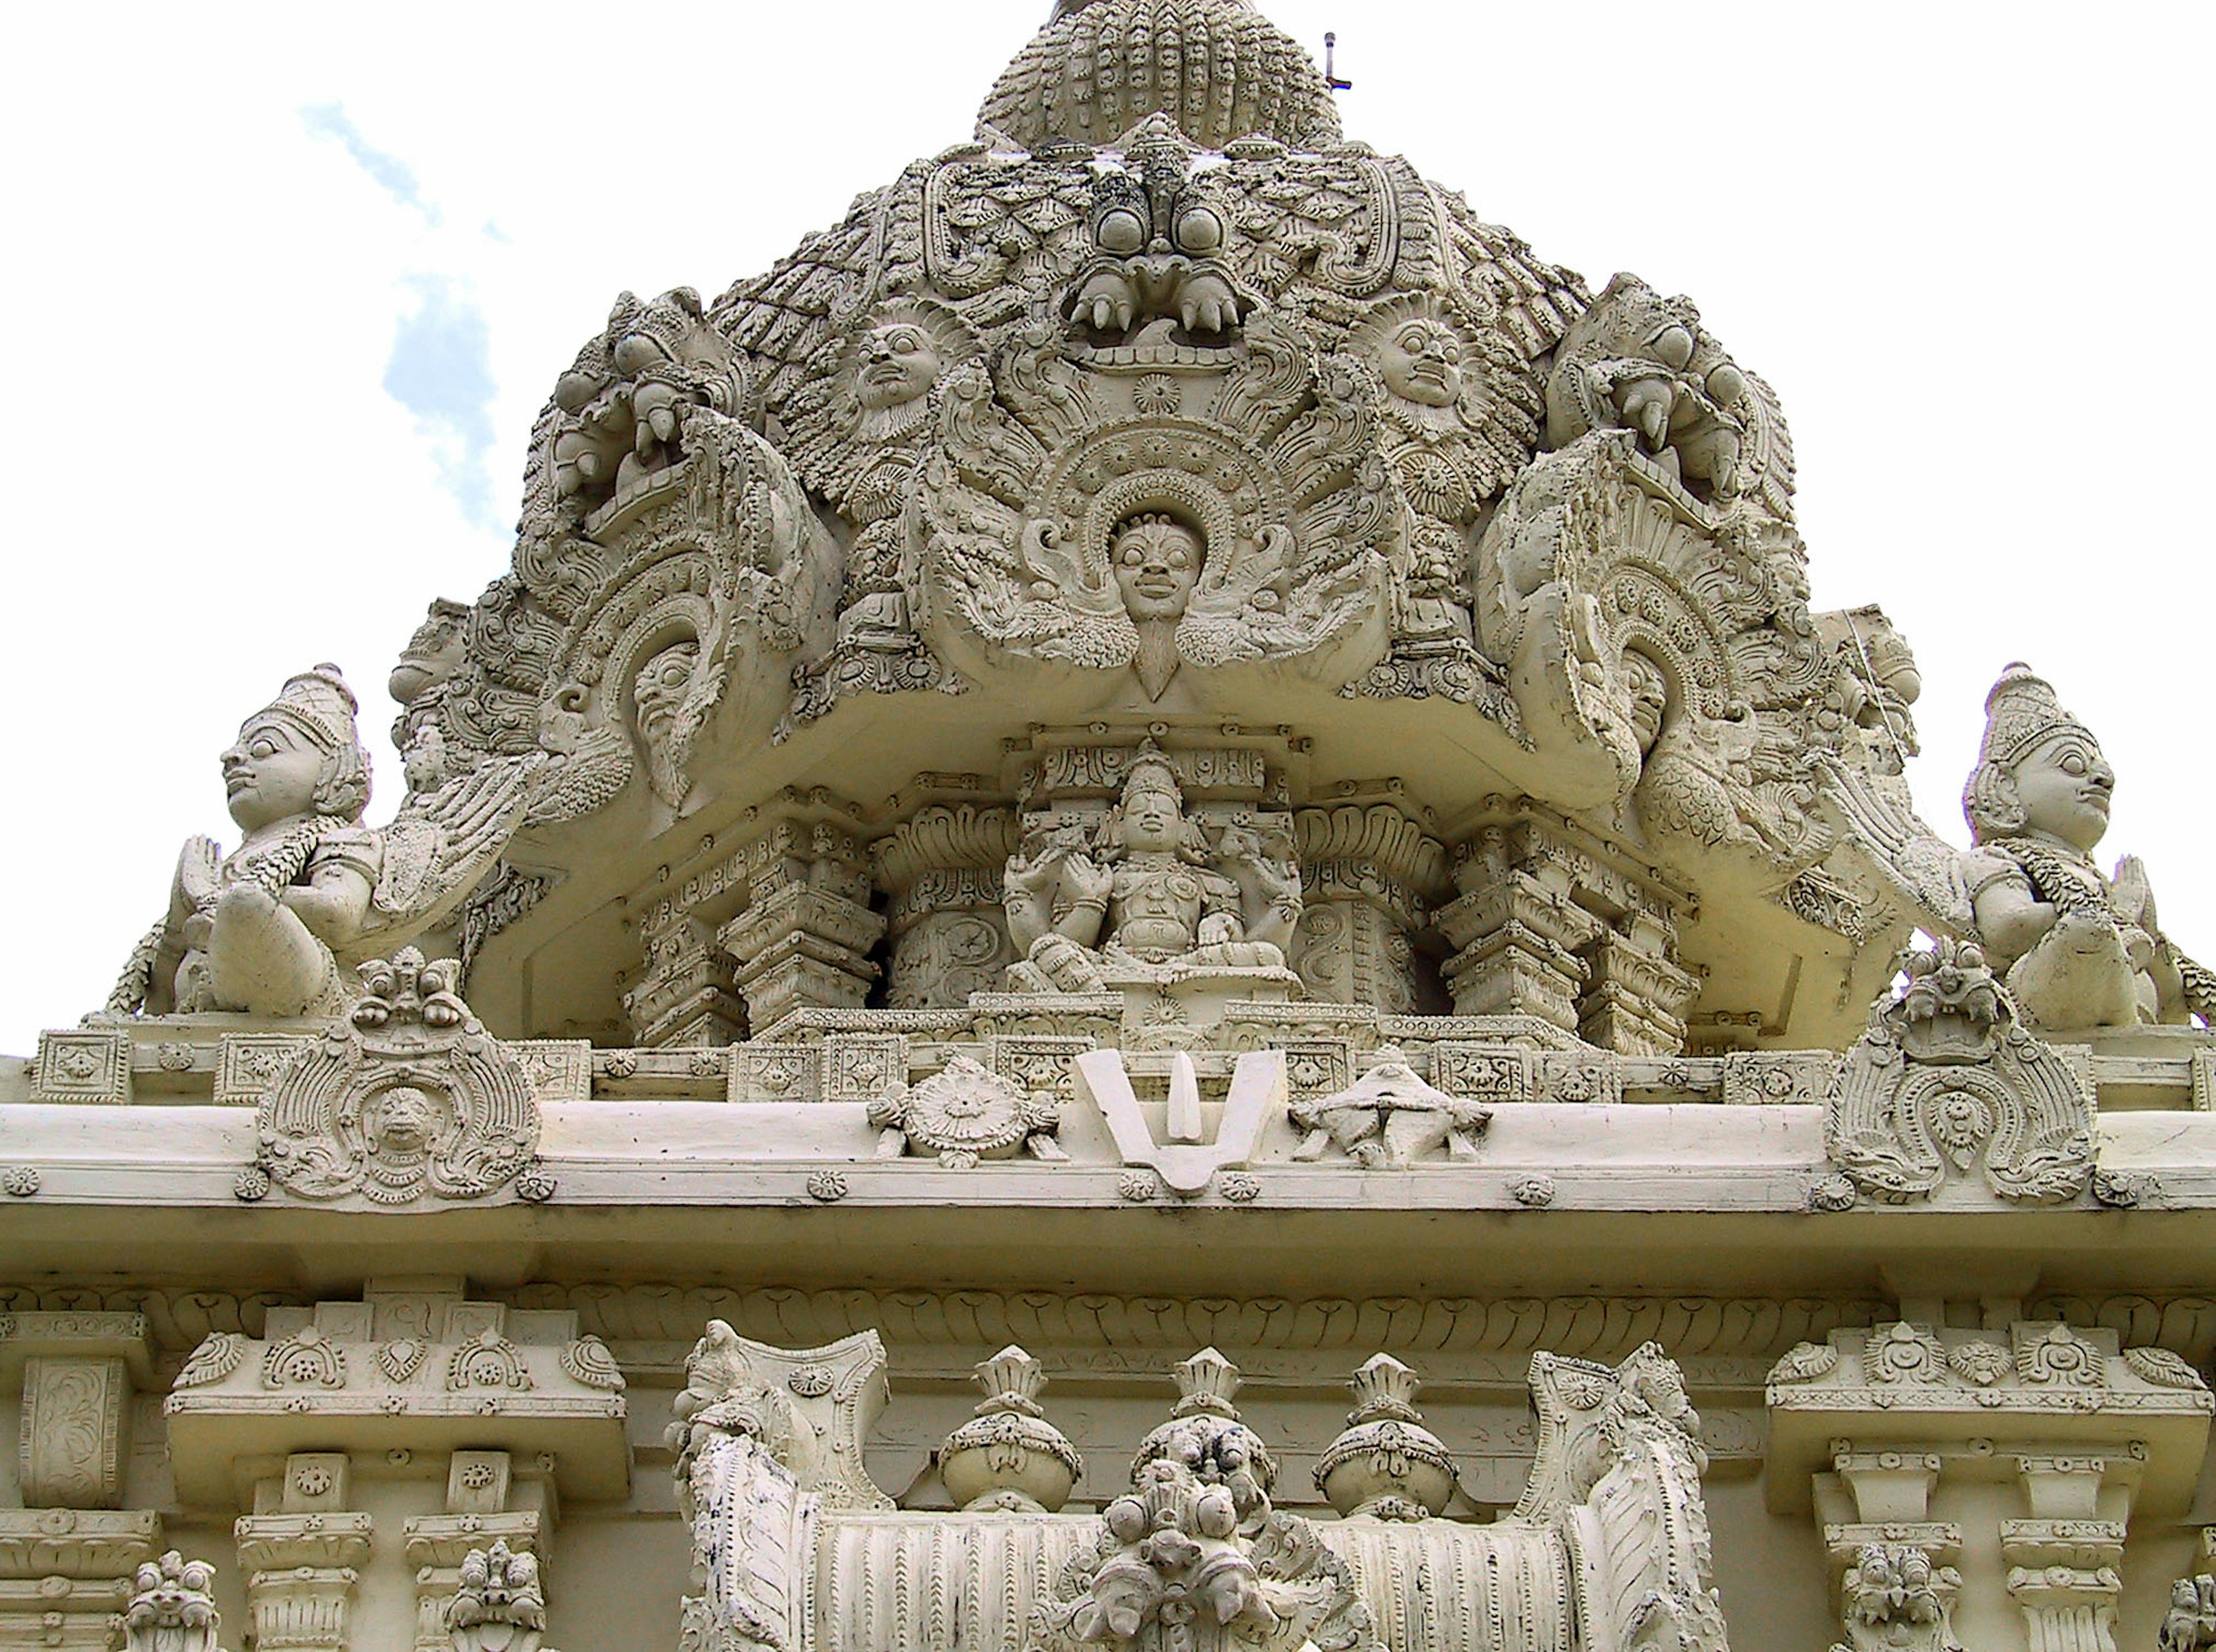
x: 966, y: 1112
x: 1691, y: 1328
x: 1194, y: 1558
x: 409, y: 1099
x: 340, y: 1375
x: 1947, y: 1081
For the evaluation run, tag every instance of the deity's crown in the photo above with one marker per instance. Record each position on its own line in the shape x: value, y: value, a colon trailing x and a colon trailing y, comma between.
x: 1151, y: 770
x: 1216, y: 67
x: 320, y: 705
x: 2020, y: 712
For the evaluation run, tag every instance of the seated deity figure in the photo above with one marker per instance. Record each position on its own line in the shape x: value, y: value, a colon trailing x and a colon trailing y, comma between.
x: 253, y: 930
x: 2078, y: 948
x: 1146, y: 890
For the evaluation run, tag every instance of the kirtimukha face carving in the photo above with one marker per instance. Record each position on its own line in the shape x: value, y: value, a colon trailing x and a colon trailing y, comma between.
x: 1157, y: 564
x: 899, y: 365
x: 1421, y: 362
x: 662, y: 686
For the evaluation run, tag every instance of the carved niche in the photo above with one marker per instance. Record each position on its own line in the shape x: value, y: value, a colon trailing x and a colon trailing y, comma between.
x: 409, y: 1099
x: 1947, y: 1080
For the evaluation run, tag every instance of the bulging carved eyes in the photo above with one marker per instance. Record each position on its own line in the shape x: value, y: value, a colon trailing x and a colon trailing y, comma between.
x: 1673, y: 345
x: 1726, y: 384
x: 1121, y: 231
x: 904, y: 341
x: 1200, y: 230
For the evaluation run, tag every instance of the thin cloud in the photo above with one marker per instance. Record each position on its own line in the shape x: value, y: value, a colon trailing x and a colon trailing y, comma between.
x: 389, y: 172
x: 441, y: 371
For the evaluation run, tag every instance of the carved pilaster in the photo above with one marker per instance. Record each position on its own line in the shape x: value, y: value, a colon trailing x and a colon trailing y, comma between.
x: 1370, y: 876
x: 941, y: 870
x: 301, y: 1573
x: 1898, y: 1409
x: 1517, y: 936
x: 1556, y: 923
x: 74, y: 1415
x: 65, y: 1576
x: 77, y: 1372
x: 483, y: 1508
x: 803, y: 941
x: 685, y: 997
x: 1897, y: 1584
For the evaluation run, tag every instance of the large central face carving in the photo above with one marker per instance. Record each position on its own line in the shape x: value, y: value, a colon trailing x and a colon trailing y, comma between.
x: 1421, y: 362
x: 1157, y: 564
x: 899, y: 365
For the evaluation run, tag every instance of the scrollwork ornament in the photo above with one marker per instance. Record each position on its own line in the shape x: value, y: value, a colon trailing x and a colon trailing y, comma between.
x: 411, y: 1101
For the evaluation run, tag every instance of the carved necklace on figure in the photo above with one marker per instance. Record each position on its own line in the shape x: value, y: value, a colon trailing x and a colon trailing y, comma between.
x: 2067, y: 884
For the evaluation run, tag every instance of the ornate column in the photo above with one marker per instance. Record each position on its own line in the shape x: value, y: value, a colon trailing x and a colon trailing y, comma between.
x: 2065, y: 1563
x: 76, y: 1370
x: 941, y: 870
x: 304, y: 1560
x: 480, y: 1487
x: 65, y: 1576
x: 1370, y: 876
x: 686, y: 997
x: 1556, y: 923
x: 804, y: 939
x: 68, y: 1556
x: 1883, y: 1429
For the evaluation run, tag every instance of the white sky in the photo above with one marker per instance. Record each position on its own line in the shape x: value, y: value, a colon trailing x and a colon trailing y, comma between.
x: 1962, y: 241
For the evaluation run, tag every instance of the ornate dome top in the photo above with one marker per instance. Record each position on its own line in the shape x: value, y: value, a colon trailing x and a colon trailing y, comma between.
x: 1216, y: 67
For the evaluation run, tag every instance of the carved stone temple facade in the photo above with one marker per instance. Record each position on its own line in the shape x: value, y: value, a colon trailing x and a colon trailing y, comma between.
x: 1149, y: 920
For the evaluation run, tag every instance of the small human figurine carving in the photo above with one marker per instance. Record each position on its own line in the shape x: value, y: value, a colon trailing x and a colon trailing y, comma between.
x: 253, y: 930
x: 1148, y: 887
x: 2076, y: 947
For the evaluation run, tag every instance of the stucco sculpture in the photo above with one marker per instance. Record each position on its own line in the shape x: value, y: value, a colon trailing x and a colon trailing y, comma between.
x: 255, y: 930
x: 1147, y: 887
x: 1161, y: 740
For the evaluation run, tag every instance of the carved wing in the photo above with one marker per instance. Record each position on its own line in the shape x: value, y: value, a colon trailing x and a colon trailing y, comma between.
x: 2043, y: 1150
x: 444, y: 842
x: 1880, y: 827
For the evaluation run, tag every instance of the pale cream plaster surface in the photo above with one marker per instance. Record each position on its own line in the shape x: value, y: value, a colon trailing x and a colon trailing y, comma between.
x: 1150, y: 920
